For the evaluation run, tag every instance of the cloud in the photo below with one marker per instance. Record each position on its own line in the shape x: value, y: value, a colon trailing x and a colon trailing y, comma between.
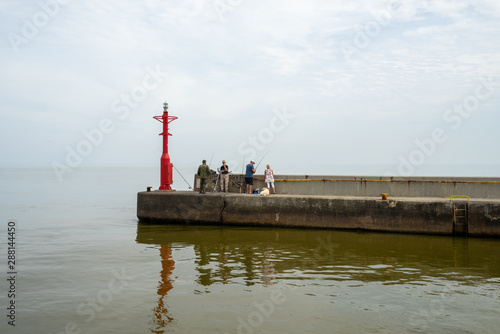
x: 406, y: 63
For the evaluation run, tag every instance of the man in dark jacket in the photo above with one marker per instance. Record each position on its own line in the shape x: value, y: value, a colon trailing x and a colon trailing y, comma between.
x: 203, y: 173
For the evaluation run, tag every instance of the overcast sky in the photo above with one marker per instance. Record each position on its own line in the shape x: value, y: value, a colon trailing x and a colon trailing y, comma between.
x: 321, y: 87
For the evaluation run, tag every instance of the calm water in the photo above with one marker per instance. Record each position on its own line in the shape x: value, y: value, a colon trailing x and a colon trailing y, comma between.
x: 85, y: 265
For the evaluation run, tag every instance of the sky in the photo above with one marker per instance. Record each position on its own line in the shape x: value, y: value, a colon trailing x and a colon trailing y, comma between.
x: 401, y: 88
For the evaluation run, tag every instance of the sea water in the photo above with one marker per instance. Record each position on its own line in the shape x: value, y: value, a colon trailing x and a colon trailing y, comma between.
x: 84, y: 264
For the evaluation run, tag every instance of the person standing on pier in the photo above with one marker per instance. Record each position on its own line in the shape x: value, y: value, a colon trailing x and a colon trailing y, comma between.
x: 203, y: 173
x: 249, y: 176
x: 224, y: 177
x: 269, y: 177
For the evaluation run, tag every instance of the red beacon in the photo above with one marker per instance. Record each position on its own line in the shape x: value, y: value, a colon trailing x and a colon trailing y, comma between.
x: 165, y: 164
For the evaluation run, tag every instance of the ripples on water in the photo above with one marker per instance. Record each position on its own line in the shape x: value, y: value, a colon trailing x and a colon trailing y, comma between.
x: 336, y: 281
x: 87, y: 266
x: 250, y: 255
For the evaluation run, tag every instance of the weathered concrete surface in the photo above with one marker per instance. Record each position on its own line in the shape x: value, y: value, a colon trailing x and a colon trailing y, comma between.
x: 484, y: 218
x: 179, y: 207
x: 407, y: 215
x: 340, y: 212
x: 341, y: 185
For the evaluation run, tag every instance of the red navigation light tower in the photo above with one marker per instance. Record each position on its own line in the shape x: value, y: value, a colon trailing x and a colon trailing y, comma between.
x: 165, y: 165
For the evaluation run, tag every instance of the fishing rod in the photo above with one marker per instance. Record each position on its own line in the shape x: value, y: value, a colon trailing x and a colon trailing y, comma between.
x: 182, y: 177
x: 214, y: 172
x: 261, y: 160
x: 211, y: 159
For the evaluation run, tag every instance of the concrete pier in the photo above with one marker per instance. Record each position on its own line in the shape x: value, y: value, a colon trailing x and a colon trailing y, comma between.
x: 342, y: 185
x: 429, y: 215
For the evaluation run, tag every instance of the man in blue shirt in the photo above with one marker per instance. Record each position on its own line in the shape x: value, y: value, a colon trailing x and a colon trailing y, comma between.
x: 249, y: 176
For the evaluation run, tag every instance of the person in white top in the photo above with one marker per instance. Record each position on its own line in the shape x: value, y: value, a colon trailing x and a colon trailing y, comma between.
x: 269, y: 177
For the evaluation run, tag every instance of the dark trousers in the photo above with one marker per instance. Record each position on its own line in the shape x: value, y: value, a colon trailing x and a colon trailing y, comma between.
x: 203, y: 185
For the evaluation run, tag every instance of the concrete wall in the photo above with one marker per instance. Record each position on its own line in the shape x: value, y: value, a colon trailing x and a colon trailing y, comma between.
x: 336, y: 185
x: 236, y: 183
x: 484, y: 219
x: 417, y: 215
x: 342, y: 213
x: 179, y: 207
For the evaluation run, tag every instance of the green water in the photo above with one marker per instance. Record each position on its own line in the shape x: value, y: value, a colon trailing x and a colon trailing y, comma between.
x: 248, y: 280
x: 85, y: 265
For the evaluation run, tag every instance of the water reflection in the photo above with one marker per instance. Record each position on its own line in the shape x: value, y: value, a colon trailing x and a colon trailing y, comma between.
x: 243, y: 256
x: 162, y: 316
x: 262, y: 256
